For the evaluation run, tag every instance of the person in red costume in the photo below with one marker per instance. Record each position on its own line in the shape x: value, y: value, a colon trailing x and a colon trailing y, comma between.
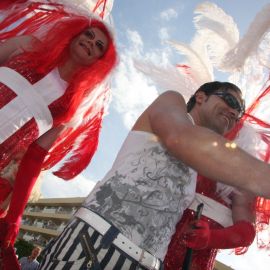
x: 50, y: 98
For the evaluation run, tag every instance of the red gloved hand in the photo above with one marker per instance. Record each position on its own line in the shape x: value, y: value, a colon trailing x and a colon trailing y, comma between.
x: 197, y: 237
x: 27, y: 175
x: 241, y: 234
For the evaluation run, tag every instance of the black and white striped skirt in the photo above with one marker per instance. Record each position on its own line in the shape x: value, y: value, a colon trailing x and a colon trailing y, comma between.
x: 67, y: 252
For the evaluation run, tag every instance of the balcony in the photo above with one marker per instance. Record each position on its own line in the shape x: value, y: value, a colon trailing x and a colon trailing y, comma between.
x: 41, y: 230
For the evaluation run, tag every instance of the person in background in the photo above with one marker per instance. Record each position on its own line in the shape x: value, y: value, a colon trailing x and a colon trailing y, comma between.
x: 30, y: 262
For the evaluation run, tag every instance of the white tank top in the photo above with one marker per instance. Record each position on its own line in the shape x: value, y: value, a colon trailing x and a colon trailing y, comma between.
x: 145, y: 192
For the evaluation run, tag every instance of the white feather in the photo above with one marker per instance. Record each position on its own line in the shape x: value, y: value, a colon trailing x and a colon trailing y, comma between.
x: 167, y: 78
x: 235, y: 58
x: 219, y: 29
x: 201, y: 69
x: 87, y: 5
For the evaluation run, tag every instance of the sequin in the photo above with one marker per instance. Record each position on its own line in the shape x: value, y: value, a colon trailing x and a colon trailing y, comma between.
x: 201, y: 259
x: 24, y: 136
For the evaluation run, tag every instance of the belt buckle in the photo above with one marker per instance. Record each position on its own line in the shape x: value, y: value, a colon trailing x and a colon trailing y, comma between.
x: 155, y: 263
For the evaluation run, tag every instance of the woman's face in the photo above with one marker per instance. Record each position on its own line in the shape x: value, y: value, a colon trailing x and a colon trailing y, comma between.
x: 89, y: 46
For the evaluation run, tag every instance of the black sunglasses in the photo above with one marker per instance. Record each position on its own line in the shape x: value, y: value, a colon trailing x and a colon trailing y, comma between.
x: 232, y: 102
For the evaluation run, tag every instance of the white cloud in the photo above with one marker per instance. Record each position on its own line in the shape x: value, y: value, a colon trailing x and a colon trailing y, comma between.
x: 168, y: 14
x: 132, y: 91
x: 54, y: 187
x: 164, y: 33
x: 136, y: 42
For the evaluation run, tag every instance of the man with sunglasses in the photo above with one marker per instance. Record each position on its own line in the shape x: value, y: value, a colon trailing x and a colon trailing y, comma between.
x: 228, y: 216
x: 128, y: 219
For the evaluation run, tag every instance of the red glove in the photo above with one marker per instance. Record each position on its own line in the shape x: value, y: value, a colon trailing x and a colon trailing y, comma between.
x: 9, y: 259
x: 27, y: 175
x: 241, y: 234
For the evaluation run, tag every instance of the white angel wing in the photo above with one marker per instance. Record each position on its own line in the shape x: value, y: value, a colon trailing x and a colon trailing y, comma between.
x: 201, y: 69
x: 236, y: 57
x: 167, y: 78
x: 219, y: 28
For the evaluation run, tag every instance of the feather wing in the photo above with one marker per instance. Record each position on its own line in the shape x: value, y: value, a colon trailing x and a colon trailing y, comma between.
x: 201, y: 69
x: 167, y: 78
x: 219, y: 28
x: 248, y: 45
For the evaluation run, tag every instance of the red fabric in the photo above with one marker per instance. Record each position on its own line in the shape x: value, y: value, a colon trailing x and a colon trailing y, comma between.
x: 24, y: 136
x: 263, y: 210
x: 5, y: 189
x: 4, y: 4
x: 28, y: 172
x: 201, y: 259
x: 241, y: 234
x: 3, y: 212
x: 55, y: 49
x: 9, y: 259
x: 89, y: 131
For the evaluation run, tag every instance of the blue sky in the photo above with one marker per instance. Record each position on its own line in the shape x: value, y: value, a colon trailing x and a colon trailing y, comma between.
x: 141, y: 28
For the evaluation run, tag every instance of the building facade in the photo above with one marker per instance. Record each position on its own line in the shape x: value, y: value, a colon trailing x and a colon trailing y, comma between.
x: 46, y: 218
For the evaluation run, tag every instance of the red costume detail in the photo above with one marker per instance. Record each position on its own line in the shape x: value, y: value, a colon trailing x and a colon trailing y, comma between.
x: 9, y: 259
x: 201, y: 259
x: 24, y: 136
x: 29, y: 171
x: 56, y: 48
x: 241, y: 234
x: 46, y: 55
x: 5, y: 190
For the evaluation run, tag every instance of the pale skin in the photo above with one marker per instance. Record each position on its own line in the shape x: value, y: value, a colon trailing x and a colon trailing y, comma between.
x: 167, y: 118
x: 84, y: 50
x: 34, y: 254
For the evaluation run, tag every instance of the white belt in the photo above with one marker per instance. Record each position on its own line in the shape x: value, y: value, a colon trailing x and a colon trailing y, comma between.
x: 213, y: 210
x: 102, y: 226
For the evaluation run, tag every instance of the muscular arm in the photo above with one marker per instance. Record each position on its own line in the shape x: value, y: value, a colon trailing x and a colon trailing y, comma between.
x: 14, y: 46
x: 243, y: 207
x: 204, y: 150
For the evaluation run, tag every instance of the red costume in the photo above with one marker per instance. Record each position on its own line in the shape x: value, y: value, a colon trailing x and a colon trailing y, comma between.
x: 202, y: 259
x: 78, y: 104
x: 29, y: 131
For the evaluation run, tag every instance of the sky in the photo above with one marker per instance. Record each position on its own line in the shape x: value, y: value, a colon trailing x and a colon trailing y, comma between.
x: 141, y: 28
